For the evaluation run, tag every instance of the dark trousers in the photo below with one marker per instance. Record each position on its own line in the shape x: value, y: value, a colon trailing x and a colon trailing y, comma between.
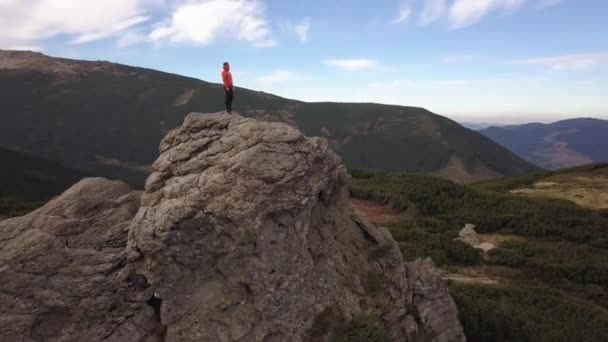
x: 229, y: 97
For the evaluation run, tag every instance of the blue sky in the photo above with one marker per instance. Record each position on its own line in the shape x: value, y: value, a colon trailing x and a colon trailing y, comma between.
x: 479, y: 60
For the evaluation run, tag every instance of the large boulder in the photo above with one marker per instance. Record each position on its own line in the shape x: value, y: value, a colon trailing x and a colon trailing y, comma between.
x: 64, y: 274
x: 245, y: 232
x: 469, y: 235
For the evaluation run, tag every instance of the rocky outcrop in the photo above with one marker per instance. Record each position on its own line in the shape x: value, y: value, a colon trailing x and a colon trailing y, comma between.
x: 469, y: 235
x: 64, y: 274
x: 433, y: 304
x: 244, y: 233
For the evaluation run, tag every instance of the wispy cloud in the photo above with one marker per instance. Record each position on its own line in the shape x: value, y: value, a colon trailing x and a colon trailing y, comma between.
x: 404, y: 13
x: 462, y: 13
x: 202, y: 22
x: 109, y: 32
x: 433, y: 10
x: 301, y: 30
x: 458, y: 59
x: 354, y: 64
x: 279, y: 77
x: 130, y: 38
x: 31, y: 23
x: 566, y: 62
x: 467, y: 12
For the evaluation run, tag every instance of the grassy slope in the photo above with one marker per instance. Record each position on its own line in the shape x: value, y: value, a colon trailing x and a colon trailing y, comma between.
x: 557, y: 274
x: 123, y: 115
x: 33, y: 179
x: 511, y: 183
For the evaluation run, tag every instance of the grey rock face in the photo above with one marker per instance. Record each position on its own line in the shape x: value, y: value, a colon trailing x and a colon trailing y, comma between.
x: 469, y: 235
x: 436, y: 309
x: 64, y: 274
x: 244, y: 233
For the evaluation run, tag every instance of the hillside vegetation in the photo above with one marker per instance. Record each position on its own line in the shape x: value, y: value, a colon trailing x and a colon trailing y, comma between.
x: 108, y: 119
x: 30, y: 178
x: 554, y: 275
x: 10, y: 207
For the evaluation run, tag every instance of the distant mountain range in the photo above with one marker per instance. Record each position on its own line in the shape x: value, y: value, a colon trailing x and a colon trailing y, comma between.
x: 476, y: 126
x: 108, y: 119
x: 30, y: 178
x: 557, y: 145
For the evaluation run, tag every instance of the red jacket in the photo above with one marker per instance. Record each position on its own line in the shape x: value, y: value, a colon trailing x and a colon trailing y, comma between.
x: 227, y: 78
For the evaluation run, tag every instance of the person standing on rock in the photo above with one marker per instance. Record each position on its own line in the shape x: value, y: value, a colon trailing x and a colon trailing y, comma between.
x: 228, y: 86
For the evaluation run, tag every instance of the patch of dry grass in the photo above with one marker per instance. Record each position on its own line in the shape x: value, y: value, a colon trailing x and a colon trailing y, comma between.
x: 589, y: 190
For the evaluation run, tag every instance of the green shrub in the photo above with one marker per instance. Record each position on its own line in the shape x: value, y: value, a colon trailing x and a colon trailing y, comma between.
x: 507, y: 257
x: 526, y: 313
x: 11, y: 208
x: 557, y: 278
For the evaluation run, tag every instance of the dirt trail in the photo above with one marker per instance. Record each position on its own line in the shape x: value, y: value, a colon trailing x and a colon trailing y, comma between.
x: 377, y: 213
x: 497, y: 238
x: 482, y: 275
x: 184, y: 98
x: 466, y: 279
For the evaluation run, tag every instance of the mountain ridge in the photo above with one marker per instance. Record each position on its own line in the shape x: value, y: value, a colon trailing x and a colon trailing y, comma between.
x: 561, y: 144
x: 106, y: 118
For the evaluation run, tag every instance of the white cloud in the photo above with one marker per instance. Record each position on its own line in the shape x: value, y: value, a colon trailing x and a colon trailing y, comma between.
x: 566, y: 62
x: 110, y: 31
x: 130, y: 38
x: 467, y: 12
x: 301, y: 29
x: 462, y: 13
x: 278, y: 77
x: 405, y: 11
x: 353, y: 64
x: 458, y: 59
x: 433, y: 10
x: 30, y: 23
x: 203, y: 22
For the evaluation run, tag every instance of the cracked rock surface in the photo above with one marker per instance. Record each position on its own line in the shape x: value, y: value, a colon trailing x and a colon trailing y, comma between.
x: 245, y: 232
x: 64, y: 274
